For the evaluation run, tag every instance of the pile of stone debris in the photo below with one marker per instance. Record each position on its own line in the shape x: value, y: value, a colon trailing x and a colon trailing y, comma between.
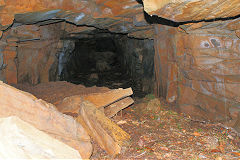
x: 33, y: 128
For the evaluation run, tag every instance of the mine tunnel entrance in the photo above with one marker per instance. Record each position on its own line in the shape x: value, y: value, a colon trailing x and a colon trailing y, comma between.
x: 109, y: 60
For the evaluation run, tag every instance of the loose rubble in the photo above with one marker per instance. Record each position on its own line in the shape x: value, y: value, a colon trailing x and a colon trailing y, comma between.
x: 148, y: 129
x: 85, y: 108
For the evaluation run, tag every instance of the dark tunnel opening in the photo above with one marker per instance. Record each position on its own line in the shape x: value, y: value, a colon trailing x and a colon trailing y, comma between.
x: 110, y: 60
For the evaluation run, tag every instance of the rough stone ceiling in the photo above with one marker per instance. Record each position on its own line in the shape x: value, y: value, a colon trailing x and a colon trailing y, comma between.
x: 125, y: 16
x: 192, y: 10
x: 229, y: 27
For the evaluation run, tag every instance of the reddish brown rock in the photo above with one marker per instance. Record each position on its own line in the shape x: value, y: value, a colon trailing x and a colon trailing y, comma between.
x: 104, y: 99
x: 38, y: 47
x: 71, y: 105
x: 199, y: 69
x: 199, y: 58
x: 108, y: 135
x: 118, y: 16
x: 44, y: 117
x: 237, y: 123
x: 182, y: 10
x: 165, y: 71
x: 201, y: 106
x: 114, y: 108
x: 10, y: 71
x: 238, y: 33
x: 194, y: 111
x: 60, y: 90
x: 30, y: 53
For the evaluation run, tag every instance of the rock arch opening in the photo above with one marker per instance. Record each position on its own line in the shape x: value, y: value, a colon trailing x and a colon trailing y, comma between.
x: 196, y: 63
x: 103, y: 58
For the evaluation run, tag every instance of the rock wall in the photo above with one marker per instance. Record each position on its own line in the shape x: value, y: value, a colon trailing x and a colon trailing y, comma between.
x: 2, y: 66
x: 198, y: 68
x: 64, y: 55
x: 39, y: 53
x: 91, y: 54
x: 194, y: 10
x: 125, y: 16
x: 35, y: 28
x: 30, y: 53
x: 138, y: 59
x: 8, y: 50
x: 196, y: 64
x: 105, y: 52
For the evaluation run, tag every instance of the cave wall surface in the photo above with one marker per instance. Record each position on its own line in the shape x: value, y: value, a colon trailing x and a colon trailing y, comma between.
x: 31, y: 31
x: 87, y: 56
x: 124, y: 16
x: 194, y: 10
x: 30, y: 52
x: 197, y: 66
x: 138, y: 59
x: 102, y: 52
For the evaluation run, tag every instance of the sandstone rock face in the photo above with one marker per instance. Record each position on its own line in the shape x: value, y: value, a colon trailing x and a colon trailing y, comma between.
x: 20, y: 140
x: 196, y: 64
x: 124, y: 16
x: 2, y: 66
x: 29, y: 52
x: 34, y: 50
x: 39, y: 53
x: 44, y: 117
x: 138, y: 59
x: 194, y: 10
x: 198, y: 67
x: 36, y: 55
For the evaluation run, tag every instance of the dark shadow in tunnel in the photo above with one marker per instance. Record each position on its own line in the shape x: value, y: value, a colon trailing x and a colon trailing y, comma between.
x: 159, y: 20
x: 140, y: 1
x: 111, y: 60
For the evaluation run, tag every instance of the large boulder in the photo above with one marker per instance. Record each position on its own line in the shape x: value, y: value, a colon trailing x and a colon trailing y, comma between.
x: 20, y: 140
x: 185, y: 10
x: 45, y: 117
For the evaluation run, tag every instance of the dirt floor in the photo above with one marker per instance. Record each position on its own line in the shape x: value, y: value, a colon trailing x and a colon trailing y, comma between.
x: 157, y: 132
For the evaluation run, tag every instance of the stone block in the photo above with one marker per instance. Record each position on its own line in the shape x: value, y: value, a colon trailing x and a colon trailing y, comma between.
x: 20, y: 140
x: 44, y: 117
